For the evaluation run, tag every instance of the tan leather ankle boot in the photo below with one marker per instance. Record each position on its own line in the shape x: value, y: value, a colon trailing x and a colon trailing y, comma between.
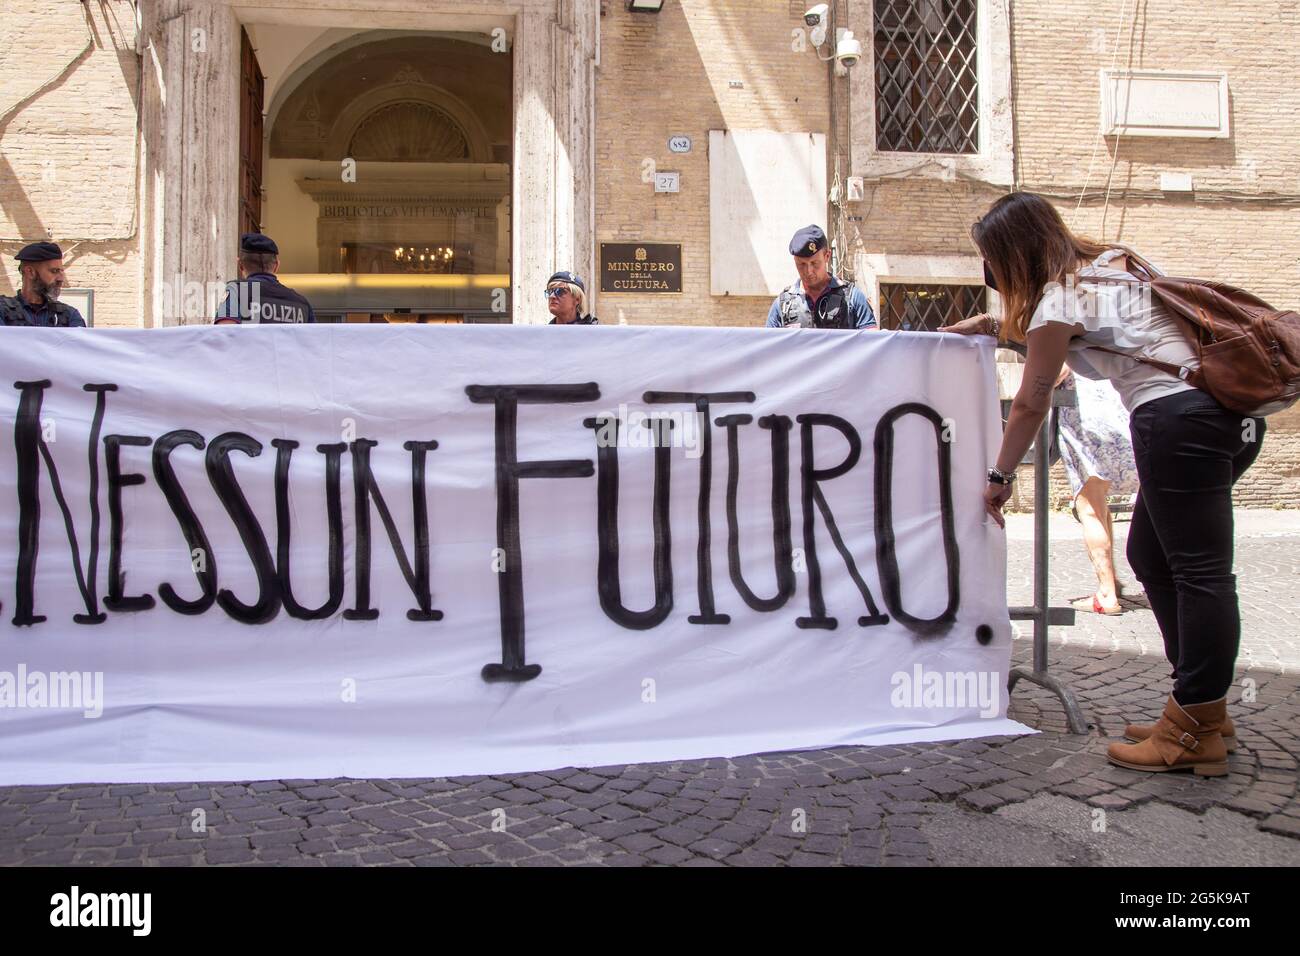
x: 1139, y: 732
x: 1184, y: 738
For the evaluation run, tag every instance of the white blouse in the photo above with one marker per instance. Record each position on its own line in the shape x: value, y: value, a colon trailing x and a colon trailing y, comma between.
x: 1119, y: 314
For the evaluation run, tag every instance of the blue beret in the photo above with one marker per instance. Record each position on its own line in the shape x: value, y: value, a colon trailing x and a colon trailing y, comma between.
x: 39, y: 252
x: 569, y: 277
x: 807, y: 241
x: 258, y: 244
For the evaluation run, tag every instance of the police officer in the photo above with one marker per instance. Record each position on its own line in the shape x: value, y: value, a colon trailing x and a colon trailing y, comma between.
x: 259, y: 296
x: 818, y: 300
x: 566, y: 298
x: 37, y: 302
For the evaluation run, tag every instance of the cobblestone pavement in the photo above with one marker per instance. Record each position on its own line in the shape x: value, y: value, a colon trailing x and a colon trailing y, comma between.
x: 1048, y: 798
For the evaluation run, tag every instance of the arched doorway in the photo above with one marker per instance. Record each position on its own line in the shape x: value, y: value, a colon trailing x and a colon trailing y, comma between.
x: 387, y: 178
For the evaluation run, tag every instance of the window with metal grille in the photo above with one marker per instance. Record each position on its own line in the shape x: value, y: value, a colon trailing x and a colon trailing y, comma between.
x: 927, y: 91
x: 927, y: 308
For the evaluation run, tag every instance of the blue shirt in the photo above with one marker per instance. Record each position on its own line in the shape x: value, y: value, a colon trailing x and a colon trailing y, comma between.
x: 41, y: 316
x: 860, y: 312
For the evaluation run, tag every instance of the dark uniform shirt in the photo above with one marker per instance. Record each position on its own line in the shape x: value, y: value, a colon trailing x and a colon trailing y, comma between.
x: 15, y: 310
x: 580, y: 320
x: 263, y: 298
x: 842, y: 306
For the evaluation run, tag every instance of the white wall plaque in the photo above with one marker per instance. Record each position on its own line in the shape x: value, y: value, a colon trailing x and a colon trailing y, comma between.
x: 83, y: 300
x: 763, y: 187
x: 668, y: 182
x: 680, y: 144
x: 1164, y: 103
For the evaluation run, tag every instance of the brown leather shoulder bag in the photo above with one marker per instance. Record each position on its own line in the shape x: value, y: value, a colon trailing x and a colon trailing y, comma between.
x: 1249, y: 352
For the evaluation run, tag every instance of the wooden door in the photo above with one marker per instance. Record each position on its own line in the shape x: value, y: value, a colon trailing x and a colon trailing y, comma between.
x: 251, y: 92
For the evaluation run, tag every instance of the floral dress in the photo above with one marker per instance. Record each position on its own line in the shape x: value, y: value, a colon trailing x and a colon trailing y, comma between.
x: 1094, y: 437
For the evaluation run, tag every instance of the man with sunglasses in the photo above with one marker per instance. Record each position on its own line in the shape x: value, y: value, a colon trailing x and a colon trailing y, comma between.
x: 566, y: 298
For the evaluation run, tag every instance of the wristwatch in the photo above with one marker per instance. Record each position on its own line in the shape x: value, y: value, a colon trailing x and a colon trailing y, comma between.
x: 998, y: 478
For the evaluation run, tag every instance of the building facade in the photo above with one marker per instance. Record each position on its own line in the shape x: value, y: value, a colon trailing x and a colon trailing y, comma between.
x: 436, y: 161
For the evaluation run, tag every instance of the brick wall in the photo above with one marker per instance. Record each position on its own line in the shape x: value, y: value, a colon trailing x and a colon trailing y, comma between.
x: 1061, y: 44
x: 68, y: 82
x: 668, y: 74
x: 1243, y: 224
x: 68, y: 160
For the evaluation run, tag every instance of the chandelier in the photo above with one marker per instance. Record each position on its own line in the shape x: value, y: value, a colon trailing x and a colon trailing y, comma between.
x: 418, y: 259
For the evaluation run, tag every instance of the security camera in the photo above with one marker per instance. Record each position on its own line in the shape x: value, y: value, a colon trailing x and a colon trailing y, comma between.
x: 848, y: 50
x: 816, y: 15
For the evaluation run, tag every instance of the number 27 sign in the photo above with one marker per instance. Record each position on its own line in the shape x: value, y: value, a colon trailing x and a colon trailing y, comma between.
x: 668, y: 182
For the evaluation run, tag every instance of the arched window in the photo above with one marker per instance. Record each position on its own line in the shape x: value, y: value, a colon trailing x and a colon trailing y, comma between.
x: 409, y: 132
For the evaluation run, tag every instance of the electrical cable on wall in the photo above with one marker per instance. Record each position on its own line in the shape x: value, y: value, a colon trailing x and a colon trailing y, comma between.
x: 837, y: 227
x: 8, y: 112
x: 1087, y: 179
x: 834, y: 234
x: 1114, y: 163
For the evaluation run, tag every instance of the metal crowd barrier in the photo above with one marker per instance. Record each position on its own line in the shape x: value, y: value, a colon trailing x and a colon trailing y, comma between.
x: 1041, y: 612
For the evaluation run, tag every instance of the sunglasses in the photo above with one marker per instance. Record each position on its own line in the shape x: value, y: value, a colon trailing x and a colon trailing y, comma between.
x: 558, y: 292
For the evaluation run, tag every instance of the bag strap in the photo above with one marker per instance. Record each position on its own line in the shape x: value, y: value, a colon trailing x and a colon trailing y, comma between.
x: 1178, y: 371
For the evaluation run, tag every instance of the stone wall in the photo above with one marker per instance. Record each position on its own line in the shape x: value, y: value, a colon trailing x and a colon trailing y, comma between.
x: 671, y: 74
x: 69, y: 78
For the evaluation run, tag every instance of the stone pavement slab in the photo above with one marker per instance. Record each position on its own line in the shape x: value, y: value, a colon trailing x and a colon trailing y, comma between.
x: 1046, y: 798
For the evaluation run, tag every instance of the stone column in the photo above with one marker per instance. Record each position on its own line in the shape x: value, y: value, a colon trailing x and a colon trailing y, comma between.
x: 579, y: 139
x: 533, y: 166
x: 190, y: 120
x: 553, y: 216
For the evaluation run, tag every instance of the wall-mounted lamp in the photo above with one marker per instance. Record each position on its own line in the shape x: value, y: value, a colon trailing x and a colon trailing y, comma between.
x: 645, y: 6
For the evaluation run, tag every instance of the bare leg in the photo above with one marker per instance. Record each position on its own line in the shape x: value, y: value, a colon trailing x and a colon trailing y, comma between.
x: 1094, y: 515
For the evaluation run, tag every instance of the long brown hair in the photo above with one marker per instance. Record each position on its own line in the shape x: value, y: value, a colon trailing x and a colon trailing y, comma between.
x: 1027, y: 246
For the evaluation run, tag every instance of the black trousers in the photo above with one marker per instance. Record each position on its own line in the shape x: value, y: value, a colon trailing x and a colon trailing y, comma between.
x: 1190, y: 450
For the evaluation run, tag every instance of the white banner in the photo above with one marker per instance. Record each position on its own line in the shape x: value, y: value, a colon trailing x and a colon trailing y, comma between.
x: 232, y: 553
